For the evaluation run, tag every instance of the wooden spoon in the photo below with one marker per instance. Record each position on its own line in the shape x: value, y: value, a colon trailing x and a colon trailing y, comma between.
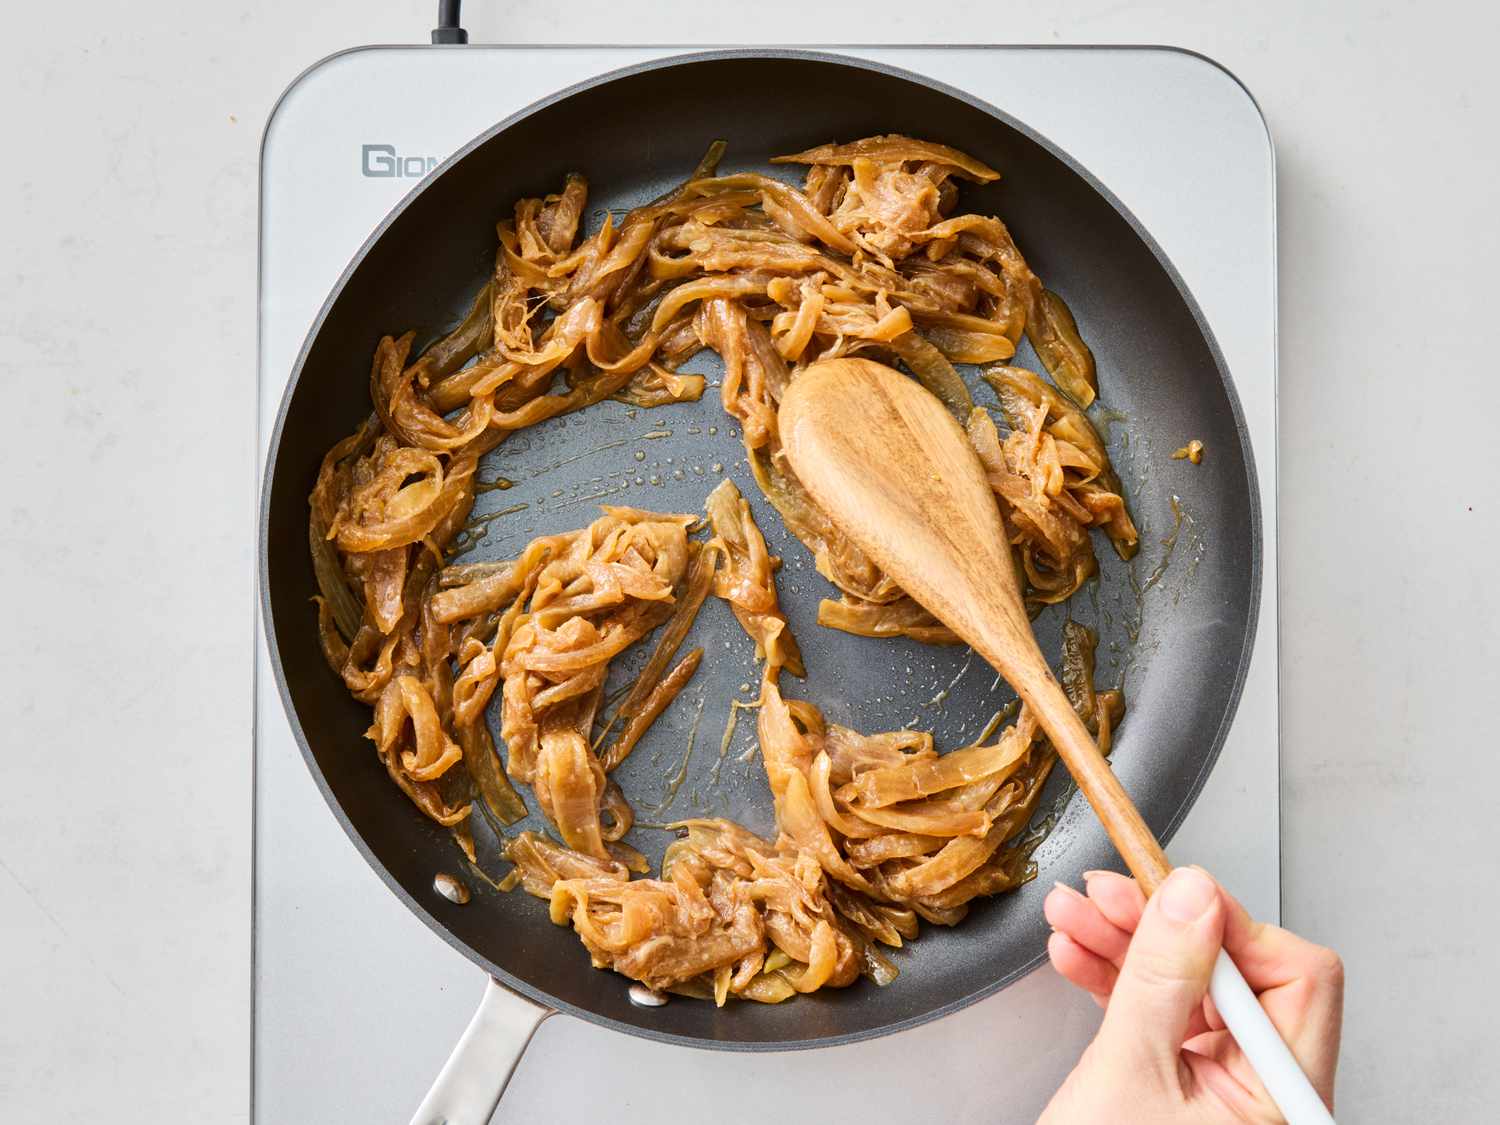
x: 888, y: 463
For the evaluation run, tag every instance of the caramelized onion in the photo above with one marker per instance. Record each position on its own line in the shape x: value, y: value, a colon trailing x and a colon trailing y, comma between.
x: 872, y: 256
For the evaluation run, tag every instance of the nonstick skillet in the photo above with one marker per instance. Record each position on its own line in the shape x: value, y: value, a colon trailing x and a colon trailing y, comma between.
x: 1177, y: 625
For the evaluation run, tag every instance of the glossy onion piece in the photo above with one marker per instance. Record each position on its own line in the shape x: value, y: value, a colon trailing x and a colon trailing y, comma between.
x: 894, y: 148
x: 933, y: 371
x: 900, y: 618
x: 1061, y: 349
x: 1054, y: 445
x: 745, y: 582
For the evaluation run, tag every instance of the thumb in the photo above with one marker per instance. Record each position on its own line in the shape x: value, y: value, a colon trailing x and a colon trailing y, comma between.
x: 1165, y: 975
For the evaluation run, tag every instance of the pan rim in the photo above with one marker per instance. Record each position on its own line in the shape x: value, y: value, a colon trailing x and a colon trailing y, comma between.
x: 266, y: 617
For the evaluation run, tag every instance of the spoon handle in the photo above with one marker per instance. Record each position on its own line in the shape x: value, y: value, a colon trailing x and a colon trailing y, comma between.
x: 1035, y: 684
x: 1257, y: 1036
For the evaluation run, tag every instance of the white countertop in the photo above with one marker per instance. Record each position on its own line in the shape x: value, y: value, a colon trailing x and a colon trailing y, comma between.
x: 128, y: 210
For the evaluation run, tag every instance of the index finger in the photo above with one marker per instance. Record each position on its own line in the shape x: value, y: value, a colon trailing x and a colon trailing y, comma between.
x: 1267, y: 955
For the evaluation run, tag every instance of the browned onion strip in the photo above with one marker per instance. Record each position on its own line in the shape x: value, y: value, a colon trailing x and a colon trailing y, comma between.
x: 483, y: 764
x: 650, y: 710
x: 788, y: 199
x: 616, y: 818
x: 1063, y: 353
x: 934, y: 372
x: 962, y: 344
x: 745, y: 580
x: 495, y: 588
x: 881, y: 787
x: 897, y: 149
x: 900, y: 618
x: 472, y: 336
x: 335, y: 651
x: 541, y: 863
x: 690, y: 599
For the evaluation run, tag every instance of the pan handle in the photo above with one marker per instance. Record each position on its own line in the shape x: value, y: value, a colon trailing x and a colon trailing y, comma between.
x: 468, y: 1088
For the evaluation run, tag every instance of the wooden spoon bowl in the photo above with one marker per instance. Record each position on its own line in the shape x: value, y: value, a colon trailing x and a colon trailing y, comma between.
x: 890, y: 465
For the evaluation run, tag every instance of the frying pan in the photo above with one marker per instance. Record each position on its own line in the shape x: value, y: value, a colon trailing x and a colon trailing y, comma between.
x: 1176, y: 625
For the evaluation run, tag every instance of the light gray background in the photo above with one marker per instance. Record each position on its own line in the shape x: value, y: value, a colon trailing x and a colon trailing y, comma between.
x: 127, y: 206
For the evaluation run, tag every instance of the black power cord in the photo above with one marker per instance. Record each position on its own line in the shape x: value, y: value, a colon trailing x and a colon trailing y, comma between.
x: 448, y: 29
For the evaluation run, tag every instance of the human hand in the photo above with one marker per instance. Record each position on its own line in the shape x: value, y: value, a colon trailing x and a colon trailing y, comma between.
x: 1162, y: 1054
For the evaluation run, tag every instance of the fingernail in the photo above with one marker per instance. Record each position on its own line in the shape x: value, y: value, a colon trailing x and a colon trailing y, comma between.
x: 1067, y: 889
x: 1187, y: 895
x: 1087, y: 875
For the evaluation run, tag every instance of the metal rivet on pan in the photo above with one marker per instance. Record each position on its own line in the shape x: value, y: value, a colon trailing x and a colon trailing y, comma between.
x: 450, y: 888
x: 643, y: 997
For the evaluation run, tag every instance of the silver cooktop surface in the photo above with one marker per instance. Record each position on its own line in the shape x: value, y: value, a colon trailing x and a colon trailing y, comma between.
x: 340, y: 1036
